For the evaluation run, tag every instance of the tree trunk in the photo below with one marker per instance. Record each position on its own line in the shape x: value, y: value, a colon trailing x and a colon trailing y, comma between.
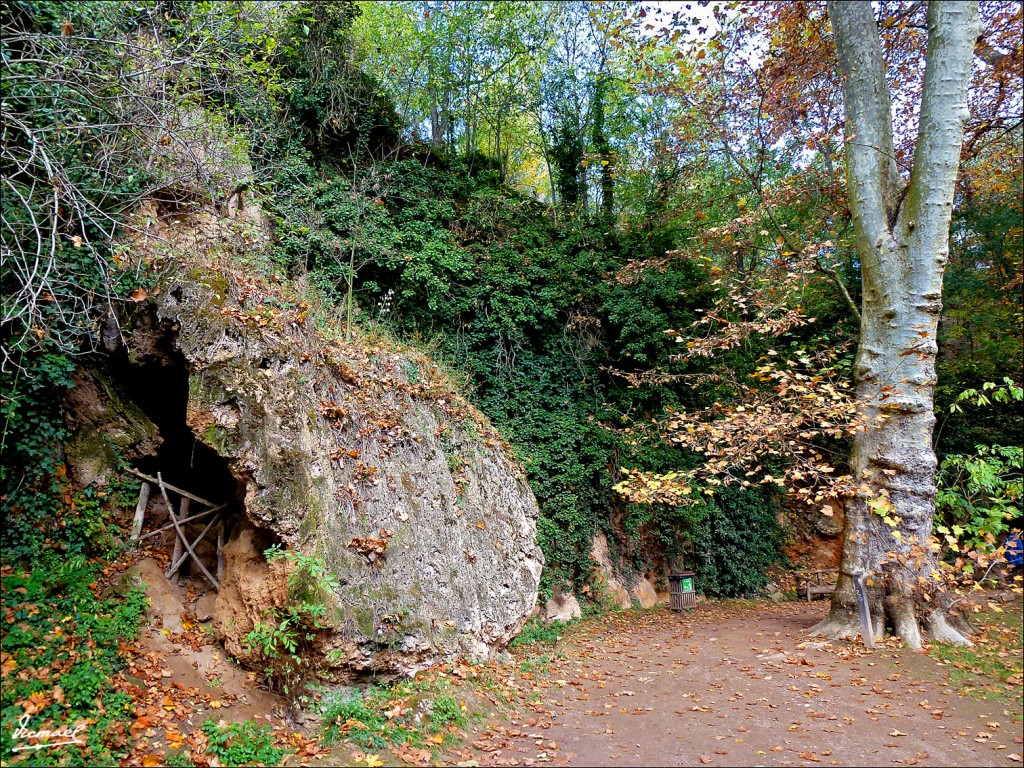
x: 902, y: 238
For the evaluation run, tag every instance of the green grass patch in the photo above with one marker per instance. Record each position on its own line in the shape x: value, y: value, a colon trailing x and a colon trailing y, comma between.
x: 536, y: 631
x: 994, y: 668
x: 423, y: 712
x: 247, y: 743
x: 59, y: 658
x: 536, y: 664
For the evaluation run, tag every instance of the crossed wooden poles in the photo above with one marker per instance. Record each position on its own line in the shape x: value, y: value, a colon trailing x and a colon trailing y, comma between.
x: 183, y: 549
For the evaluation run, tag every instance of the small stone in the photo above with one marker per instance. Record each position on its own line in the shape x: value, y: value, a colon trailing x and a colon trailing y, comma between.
x: 562, y: 608
x: 204, y: 607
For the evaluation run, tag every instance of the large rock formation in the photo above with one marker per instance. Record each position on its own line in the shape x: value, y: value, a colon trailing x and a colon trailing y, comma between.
x: 359, y: 453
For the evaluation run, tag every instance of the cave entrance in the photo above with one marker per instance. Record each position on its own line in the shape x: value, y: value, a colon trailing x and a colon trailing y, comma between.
x: 156, y: 379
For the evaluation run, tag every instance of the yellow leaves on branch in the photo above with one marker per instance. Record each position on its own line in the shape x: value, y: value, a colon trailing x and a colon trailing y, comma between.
x: 652, y: 488
x: 767, y: 304
x: 797, y: 405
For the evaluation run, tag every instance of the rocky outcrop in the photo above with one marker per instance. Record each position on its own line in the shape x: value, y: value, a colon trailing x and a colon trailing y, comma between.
x: 645, y: 593
x: 358, y: 453
x: 106, y: 427
x: 562, y: 607
x: 606, y: 585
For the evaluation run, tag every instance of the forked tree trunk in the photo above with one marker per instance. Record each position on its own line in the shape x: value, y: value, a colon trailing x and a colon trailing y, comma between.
x: 902, y: 235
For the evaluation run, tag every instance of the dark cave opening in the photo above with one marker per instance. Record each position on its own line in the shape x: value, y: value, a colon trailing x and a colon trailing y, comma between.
x: 156, y: 379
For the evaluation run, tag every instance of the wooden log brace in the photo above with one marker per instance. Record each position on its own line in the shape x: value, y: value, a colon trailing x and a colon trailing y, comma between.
x: 156, y: 481
x: 181, y: 533
x: 202, y: 514
x: 140, y: 510
x: 176, y: 564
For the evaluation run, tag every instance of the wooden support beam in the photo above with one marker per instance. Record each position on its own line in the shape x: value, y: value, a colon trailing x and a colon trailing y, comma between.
x: 176, y: 564
x: 202, y: 514
x: 179, y: 542
x: 169, y: 487
x: 220, y: 552
x: 140, y: 510
x: 181, y: 536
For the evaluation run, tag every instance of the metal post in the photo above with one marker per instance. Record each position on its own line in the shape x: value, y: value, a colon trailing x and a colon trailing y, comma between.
x: 866, y: 629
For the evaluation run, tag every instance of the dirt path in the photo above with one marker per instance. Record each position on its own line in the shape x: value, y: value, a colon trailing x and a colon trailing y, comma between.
x: 741, y: 684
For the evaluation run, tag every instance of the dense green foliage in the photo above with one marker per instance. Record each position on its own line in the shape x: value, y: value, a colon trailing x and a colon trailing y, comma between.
x: 979, y: 496
x: 246, y: 743
x: 729, y: 561
x: 983, y: 323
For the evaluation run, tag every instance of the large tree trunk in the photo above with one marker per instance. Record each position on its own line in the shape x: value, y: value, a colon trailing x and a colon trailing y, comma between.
x: 902, y: 238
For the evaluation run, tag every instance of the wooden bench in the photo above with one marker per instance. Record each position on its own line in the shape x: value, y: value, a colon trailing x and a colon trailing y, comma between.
x: 811, y: 583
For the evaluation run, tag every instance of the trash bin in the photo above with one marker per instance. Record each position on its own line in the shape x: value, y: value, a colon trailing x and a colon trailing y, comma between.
x: 680, y: 590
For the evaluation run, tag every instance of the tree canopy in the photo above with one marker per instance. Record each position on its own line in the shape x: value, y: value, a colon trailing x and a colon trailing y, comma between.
x: 633, y: 230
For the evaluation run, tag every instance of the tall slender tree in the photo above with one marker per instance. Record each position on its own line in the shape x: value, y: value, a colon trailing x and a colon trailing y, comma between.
x: 902, y: 238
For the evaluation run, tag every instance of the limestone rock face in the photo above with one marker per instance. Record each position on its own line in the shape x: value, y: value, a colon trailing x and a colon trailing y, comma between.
x: 562, y: 607
x: 645, y: 593
x: 359, y: 454
x: 603, y: 577
x: 106, y: 426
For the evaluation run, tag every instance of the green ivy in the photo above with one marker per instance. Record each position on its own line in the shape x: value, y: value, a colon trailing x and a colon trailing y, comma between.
x: 65, y: 638
x: 245, y: 743
x: 736, y: 540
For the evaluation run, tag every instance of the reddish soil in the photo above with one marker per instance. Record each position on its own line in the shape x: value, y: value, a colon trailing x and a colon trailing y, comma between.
x: 195, y: 660
x: 742, y: 684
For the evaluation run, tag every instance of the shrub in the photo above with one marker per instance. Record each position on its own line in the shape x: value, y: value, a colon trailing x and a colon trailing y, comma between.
x: 246, y: 743
x: 284, y: 640
x: 56, y: 617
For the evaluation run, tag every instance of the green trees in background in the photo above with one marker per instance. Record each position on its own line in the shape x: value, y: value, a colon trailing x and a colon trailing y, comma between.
x: 536, y: 191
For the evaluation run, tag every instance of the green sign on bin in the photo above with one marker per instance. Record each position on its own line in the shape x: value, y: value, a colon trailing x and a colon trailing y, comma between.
x: 688, y: 584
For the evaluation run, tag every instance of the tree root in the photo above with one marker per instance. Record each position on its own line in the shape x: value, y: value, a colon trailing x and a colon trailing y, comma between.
x: 844, y: 625
x: 942, y: 631
x: 838, y: 625
x: 904, y: 622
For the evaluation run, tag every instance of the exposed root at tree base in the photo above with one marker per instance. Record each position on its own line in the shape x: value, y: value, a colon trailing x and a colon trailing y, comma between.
x: 839, y: 625
x: 941, y: 631
x: 904, y: 622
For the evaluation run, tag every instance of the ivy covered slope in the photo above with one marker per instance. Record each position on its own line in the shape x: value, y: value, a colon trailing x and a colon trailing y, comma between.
x: 550, y: 318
